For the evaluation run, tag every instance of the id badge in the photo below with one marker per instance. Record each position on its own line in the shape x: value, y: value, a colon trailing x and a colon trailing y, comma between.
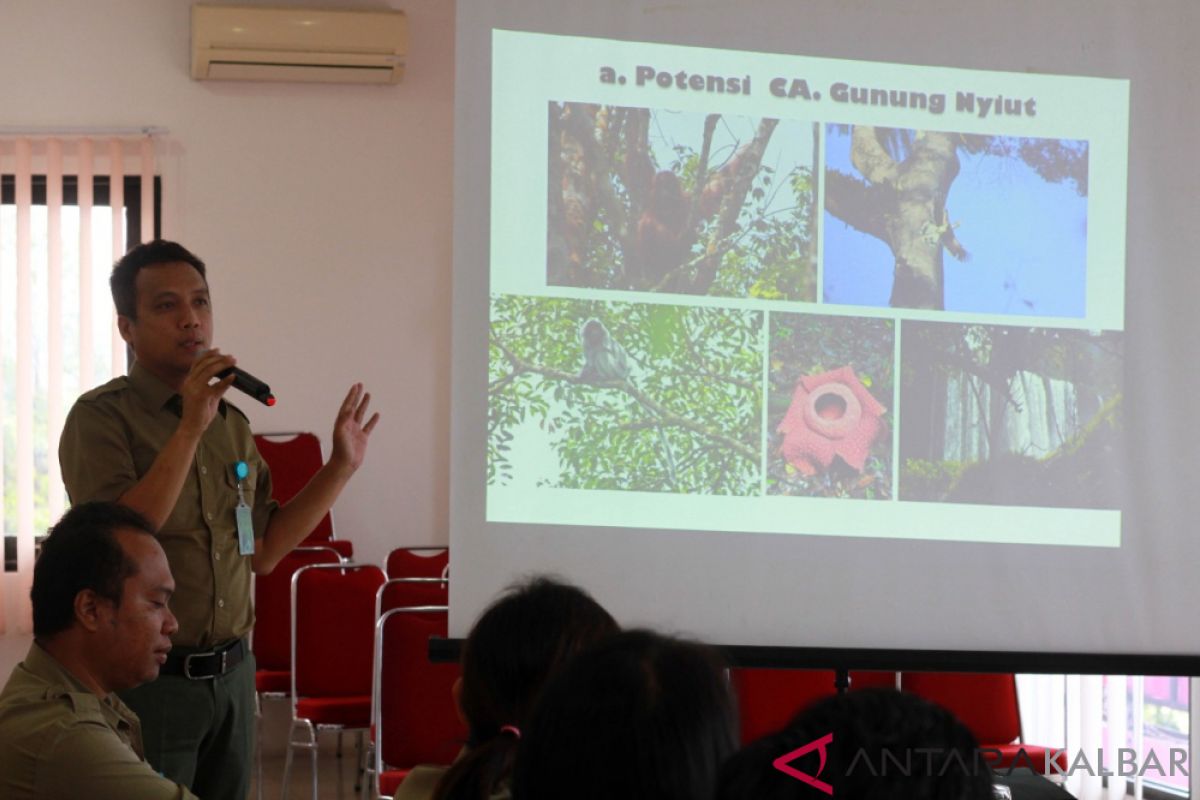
x: 245, y: 520
x: 245, y: 529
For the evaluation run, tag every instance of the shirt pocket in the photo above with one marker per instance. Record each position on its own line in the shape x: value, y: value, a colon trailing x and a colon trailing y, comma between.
x: 248, y: 483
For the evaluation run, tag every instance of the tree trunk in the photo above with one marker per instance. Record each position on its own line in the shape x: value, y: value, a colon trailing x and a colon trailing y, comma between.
x: 904, y: 205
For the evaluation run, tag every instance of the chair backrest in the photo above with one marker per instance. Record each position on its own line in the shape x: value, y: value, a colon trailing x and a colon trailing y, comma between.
x: 414, y: 714
x: 409, y: 592
x: 294, y: 458
x: 273, y: 606
x: 985, y: 702
x: 769, y: 698
x: 418, y: 562
x: 333, y: 622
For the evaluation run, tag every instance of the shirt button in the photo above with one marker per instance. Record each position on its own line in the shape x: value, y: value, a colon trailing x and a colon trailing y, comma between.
x: 209, y: 515
x: 204, y: 470
x: 220, y: 604
x: 217, y: 556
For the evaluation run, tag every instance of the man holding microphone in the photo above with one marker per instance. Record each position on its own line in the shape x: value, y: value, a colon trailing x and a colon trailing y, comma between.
x: 165, y: 443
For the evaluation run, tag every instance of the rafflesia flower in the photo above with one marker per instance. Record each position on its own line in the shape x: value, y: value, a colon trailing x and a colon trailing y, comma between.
x: 832, y: 414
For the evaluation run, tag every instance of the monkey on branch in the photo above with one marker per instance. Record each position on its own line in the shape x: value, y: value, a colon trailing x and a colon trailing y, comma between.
x: 671, y: 218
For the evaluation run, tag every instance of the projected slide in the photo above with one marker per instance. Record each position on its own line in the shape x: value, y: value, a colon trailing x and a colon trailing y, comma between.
x: 964, y: 222
x: 708, y: 204
x: 1011, y: 416
x: 831, y: 436
x: 746, y: 292
x: 625, y: 397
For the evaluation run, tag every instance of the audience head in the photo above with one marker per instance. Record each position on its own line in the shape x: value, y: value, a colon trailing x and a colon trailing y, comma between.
x: 639, y: 715
x: 522, y: 638
x: 123, y: 281
x: 103, y: 583
x: 921, y: 739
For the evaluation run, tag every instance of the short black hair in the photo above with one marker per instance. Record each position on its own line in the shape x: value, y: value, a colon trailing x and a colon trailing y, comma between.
x: 123, y: 281
x: 524, y: 637
x: 82, y: 552
x: 638, y: 715
x: 930, y: 754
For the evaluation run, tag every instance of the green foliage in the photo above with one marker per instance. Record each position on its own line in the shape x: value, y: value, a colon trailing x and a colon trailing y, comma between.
x: 694, y: 391
x: 809, y: 344
x: 771, y: 257
x: 44, y: 459
x: 928, y: 480
x: 593, y: 225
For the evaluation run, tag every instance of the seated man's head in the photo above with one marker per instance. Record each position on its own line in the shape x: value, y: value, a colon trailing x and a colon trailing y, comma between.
x: 101, y: 588
x: 873, y: 744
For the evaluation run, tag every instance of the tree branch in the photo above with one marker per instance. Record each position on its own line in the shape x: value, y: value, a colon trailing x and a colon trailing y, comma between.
x: 858, y: 204
x: 695, y: 427
x: 665, y: 417
x: 731, y: 206
x: 869, y: 157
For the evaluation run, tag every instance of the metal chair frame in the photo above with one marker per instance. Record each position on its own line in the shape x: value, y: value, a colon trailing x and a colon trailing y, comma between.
x: 422, y: 549
x: 377, y: 682
x: 305, y: 725
x: 260, y: 696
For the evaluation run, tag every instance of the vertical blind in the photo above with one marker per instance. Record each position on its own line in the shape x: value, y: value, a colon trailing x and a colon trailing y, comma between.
x: 69, y: 207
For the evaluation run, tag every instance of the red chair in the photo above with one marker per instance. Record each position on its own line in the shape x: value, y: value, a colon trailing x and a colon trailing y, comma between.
x: 272, y: 637
x: 769, y: 698
x: 418, y: 562
x: 333, y: 635
x: 415, y: 720
x: 294, y: 458
x: 409, y: 592
x: 987, y: 704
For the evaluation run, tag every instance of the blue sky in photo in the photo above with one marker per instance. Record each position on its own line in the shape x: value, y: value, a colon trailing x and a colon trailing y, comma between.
x: 1027, y: 240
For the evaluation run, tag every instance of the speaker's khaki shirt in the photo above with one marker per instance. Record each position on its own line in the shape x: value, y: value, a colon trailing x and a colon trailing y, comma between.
x: 112, y: 436
x: 59, y: 740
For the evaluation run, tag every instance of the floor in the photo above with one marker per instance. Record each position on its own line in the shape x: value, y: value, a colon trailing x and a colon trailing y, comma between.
x: 335, y: 776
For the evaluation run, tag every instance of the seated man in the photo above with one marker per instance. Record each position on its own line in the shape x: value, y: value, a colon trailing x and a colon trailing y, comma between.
x: 101, y: 623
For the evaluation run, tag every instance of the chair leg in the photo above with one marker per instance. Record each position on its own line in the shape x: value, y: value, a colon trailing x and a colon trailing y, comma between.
x: 287, y: 763
x: 361, y: 768
x: 313, y: 760
x: 311, y: 744
x: 339, y: 743
x: 258, y: 734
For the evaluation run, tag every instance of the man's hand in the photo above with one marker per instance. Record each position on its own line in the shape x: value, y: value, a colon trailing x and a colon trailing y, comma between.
x: 295, y: 520
x: 201, y: 396
x: 349, y: 433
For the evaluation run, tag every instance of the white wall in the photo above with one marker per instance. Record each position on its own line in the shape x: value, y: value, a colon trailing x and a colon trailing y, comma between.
x: 323, y: 213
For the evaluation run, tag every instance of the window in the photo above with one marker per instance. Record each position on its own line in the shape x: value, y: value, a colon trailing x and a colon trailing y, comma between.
x: 60, y: 231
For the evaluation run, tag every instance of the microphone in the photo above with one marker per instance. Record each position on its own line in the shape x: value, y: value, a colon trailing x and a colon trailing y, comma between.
x: 249, y: 384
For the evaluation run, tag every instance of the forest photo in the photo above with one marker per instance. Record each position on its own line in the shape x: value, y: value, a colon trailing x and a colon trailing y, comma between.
x: 962, y: 222
x: 831, y: 383
x: 652, y: 200
x: 624, y: 396
x: 1010, y: 415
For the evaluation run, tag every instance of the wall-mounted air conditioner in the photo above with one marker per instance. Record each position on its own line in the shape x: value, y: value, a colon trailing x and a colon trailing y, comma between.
x: 241, y: 43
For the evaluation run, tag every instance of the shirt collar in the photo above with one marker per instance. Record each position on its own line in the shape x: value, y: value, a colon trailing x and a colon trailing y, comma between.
x: 155, y: 394
x: 46, y: 667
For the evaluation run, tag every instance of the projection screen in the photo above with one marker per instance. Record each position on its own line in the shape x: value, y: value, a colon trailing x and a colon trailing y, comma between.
x: 830, y: 324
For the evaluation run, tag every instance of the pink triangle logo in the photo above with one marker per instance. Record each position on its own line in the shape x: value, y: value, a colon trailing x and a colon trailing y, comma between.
x: 819, y: 745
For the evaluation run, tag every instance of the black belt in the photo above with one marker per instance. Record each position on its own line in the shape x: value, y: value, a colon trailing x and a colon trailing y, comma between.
x: 205, y: 665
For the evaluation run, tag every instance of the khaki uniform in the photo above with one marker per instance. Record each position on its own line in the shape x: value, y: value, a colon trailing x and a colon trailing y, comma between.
x: 199, y: 733
x: 59, y: 740
x: 112, y: 436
